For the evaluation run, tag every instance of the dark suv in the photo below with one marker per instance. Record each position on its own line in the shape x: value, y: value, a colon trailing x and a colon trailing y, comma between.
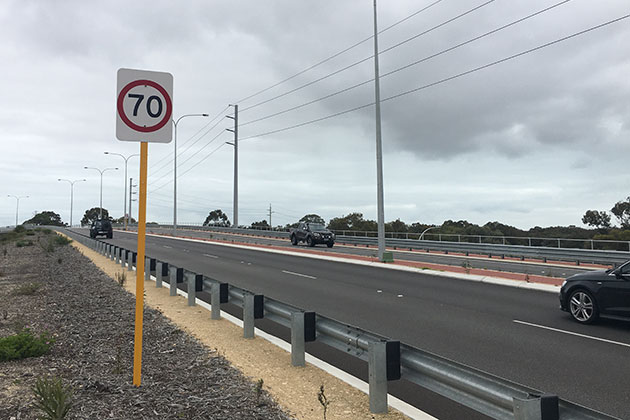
x: 312, y: 233
x: 101, y: 227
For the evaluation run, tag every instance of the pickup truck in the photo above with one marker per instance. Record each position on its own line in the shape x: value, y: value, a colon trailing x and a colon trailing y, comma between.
x: 312, y: 234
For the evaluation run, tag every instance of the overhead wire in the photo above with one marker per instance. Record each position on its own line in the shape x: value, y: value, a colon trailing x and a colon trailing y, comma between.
x: 356, y: 63
x: 442, y: 52
x: 441, y: 81
x: 193, y: 136
x: 319, y: 63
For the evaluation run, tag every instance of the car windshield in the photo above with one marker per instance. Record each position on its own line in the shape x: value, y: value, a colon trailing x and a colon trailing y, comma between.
x: 317, y: 226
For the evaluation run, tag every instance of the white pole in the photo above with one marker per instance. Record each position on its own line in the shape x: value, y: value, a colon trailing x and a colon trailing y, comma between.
x: 379, y: 148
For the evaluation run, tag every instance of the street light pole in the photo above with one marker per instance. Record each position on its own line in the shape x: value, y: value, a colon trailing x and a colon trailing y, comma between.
x: 100, y: 216
x: 235, y: 144
x: 175, y: 122
x: 379, y: 148
x: 71, y: 193
x: 17, y: 206
x: 124, y: 182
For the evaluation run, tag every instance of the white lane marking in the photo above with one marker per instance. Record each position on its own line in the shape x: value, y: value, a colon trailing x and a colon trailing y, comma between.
x: 210, y: 256
x: 400, y: 296
x: 379, y: 291
x: 166, y: 246
x: 298, y: 274
x: 572, y: 333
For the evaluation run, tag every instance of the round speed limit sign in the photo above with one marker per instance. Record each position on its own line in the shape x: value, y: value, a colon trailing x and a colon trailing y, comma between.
x: 144, y: 106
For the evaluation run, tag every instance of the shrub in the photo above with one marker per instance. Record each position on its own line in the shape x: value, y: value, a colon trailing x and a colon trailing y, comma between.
x: 30, y: 233
x: 27, y: 289
x: 52, y: 398
x: 61, y: 240
x: 24, y: 242
x: 24, y: 344
x: 19, y: 229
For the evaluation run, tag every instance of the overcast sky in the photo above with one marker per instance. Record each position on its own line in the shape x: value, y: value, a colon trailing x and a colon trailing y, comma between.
x: 534, y: 141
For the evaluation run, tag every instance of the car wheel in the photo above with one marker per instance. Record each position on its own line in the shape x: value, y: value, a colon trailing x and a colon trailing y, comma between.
x: 309, y: 241
x: 330, y: 244
x: 293, y: 240
x: 582, y: 306
x: 110, y: 235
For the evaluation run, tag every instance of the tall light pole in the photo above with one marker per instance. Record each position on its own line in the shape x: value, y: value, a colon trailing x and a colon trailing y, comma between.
x: 379, y: 148
x: 175, y: 122
x: 71, y: 193
x: 100, y: 215
x: 17, y: 207
x: 124, y: 182
x: 235, y: 144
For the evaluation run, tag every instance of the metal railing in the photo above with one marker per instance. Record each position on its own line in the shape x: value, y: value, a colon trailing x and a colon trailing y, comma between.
x: 542, y: 253
x: 387, y: 359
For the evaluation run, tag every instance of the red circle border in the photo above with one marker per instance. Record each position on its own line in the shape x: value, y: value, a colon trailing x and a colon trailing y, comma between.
x: 136, y: 127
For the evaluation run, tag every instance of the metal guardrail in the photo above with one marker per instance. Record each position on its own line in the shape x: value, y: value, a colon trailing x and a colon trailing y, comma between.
x: 575, y: 255
x: 387, y: 359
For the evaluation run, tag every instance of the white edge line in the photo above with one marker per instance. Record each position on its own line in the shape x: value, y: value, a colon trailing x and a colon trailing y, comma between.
x: 400, y: 405
x: 300, y: 275
x: 211, y: 256
x: 572, y: 333
x: 470, y: 277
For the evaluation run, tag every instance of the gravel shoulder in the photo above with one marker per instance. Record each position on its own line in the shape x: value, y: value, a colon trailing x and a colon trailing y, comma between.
x: 193, y: 367
x: 91, y: 319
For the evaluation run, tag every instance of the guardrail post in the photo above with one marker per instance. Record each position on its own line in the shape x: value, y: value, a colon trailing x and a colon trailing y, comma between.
x: 253, y: 308
x: 149, y: 268
x: 302, y: 330
x: 177, y: 276
x: 130, y: 261
x: 161, y: 273
x: 195, y: 284
x: 123, y: 256
x: 383, y: 366
x: 219, y: 294
x: 536, y: 407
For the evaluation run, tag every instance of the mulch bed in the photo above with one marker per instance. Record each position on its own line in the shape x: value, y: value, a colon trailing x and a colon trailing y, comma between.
x: 92, y: 320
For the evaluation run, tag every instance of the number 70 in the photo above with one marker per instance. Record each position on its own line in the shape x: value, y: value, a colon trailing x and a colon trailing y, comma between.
x: 139, y: 98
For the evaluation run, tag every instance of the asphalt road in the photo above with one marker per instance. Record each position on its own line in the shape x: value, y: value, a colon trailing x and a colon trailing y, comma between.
x: 512, y: 266
x: 517, y: 334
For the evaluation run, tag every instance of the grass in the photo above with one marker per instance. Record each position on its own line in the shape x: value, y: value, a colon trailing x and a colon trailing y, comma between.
x: 121, y: 278
x: 27, y: 289
x: 52, y: 398
x: 23, y: 242
x: 24, y: 344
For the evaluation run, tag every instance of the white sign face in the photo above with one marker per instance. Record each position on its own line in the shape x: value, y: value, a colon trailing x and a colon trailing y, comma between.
x: 144, y: 106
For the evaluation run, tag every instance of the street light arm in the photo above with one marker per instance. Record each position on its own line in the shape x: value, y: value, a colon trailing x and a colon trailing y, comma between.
x: 189, y: 115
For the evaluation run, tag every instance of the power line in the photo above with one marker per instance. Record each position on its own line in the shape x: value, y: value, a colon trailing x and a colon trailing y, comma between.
x: 408, y: 65
x: 191, y: 168
x: 447, y: 79
x: 193, y: 136
x: 356, y: 63
x: 166, y: 165
x: 337, y: 54
x: 190, y: 157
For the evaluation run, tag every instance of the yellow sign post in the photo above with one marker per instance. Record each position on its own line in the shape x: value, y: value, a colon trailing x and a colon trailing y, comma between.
x: 142, y: 220
x: 144, y: 108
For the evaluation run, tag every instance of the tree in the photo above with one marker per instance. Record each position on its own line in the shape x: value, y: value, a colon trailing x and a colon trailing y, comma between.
x: 621, y: 210
x: 217, y: 218
x: 92, y: 215
x: 121, y: 220
x: 261, y: 225
x: 353, y: 221
x: 313, y: 218
x: 396, y: 226
x: 48, y: 218
x: 598, y: 219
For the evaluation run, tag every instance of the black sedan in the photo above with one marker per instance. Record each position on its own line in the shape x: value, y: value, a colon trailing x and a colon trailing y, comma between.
x: 606, y: 293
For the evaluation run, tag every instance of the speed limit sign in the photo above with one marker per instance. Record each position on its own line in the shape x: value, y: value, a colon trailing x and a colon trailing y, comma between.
x: 144, y: 106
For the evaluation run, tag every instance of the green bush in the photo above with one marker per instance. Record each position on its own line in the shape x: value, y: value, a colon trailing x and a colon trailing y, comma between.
x: 30, y: 233
x: 27, y: 289
x: 61, y: 240
x: 19, y: 229
x: 52, y: 398
x: 24, y: 242
x: 24, y: 344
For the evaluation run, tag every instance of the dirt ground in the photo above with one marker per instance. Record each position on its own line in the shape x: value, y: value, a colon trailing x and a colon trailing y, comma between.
x: 294, y: 388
